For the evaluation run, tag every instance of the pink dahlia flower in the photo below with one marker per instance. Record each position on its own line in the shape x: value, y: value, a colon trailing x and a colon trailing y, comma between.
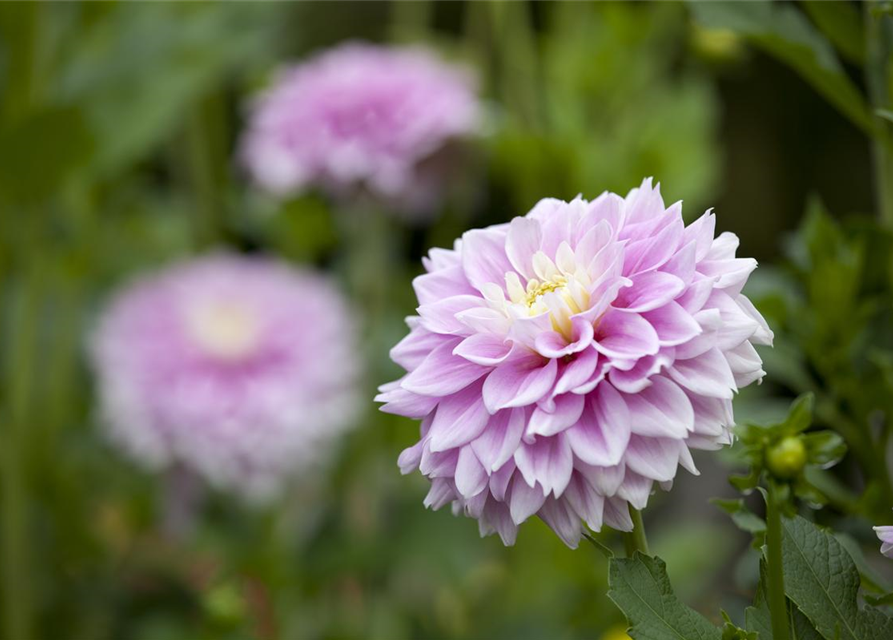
x: 885, y: 535
x: 565, y: 362
x: 240, y: 369
x: 360, y: 115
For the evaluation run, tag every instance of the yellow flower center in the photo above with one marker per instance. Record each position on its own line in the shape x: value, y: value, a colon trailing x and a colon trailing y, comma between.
x: 535, y: 288
x: 223, y: 329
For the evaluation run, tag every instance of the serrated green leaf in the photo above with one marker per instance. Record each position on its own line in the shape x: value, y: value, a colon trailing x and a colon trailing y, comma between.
x: 640, y: 587
x: 782, y: 31
x: 822, y: 580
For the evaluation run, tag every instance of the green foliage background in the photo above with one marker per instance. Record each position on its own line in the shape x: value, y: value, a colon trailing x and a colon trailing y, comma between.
x: 118, y: 127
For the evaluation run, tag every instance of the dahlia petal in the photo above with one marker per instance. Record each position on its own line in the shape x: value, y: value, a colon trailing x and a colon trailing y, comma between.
x: 617, y: 514
x: 485, y: 320
x: 652, y: 252
x: 723, y: 247
x: 649, y: 291
x: 673, y: 324
x: 499, y: 480
x: 713, y: 416
x: 578, y: 371
x: 502, y: 436
x: 654, y: 458
x: 548, y: 461
x: 710, y: 320
x: 585, y: 501
x: 625, y: 335
x: 442, y: 373
x: 409, y: 458
x: 440, y: 316
x: 471, y: 478
x: 485, y: 349
x: 643, y: 203
x: 518, y: 382
x: 708, y: 374
x: 701, y: 231
x: 636, y: 490
x: 695, y: 296
x: 524, y: 500
x: 483, y: 256
x: 608, y: 207
x: 444, y: 283
x: 605, y: 480
x: 526, y: 329
x: 662, y: 410
x: 523, y: 240
x: 638, y: 378
x: 595, y: 239
x: 683, y: 263
x: 764, y: 334
x: 438, y: 464
x: 415, y: 347
x: 459, y: 419
x: 601, y: 435
x: 746, y: 365
x: 440, y: 494
x: 497, y: 517
x: 562, y: 520
x: 401, y: 402
x: 730, y: 274
x: 567, y: 411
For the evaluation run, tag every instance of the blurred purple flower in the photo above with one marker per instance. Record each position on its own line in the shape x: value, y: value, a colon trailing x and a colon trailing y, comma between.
x: 565, y: 362
x: 243, y: 370
x: 360, y: 115
x: 885, y: 535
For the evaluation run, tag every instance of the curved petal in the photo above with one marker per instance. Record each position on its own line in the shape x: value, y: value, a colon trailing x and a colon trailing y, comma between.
x: 483, y: 256
x: 523, y: 240
x: 500, y: 438
x: 603, y: 431
x: 548, y: 461
x: 649, y: 291
x: 518, y: 382
x: 625, y: 335
x: 442, y: 373
x: 568, y: 409
x: 459, y: 419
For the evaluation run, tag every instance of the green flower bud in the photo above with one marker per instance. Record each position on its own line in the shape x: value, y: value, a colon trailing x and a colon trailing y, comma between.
x: 786, y: 458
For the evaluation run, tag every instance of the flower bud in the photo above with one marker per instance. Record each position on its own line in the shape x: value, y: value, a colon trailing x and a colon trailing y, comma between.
x: 786, y: 458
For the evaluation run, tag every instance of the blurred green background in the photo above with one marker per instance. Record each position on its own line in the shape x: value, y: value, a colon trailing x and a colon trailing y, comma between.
x: 117, y: 131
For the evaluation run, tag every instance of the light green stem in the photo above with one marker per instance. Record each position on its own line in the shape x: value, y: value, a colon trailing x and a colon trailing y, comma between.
x: 636, y: 540
x: 206, y: 170
x: 777, y: 603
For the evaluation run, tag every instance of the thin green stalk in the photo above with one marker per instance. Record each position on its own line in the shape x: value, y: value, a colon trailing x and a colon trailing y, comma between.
x: 207, y: 170
x: 879, y: 48
x: 22, y: 338
x: 636, y: 540
x: 778, y: 610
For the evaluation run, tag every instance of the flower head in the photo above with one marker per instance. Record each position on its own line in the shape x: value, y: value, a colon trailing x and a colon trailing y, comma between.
x: 240, y: 369
x: 885, y: 535
x: 360, y: 115
x: 563, y: 363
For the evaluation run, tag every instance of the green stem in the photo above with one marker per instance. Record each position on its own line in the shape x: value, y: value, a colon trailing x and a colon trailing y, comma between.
x: 879, y: 47
x: 777, y: 603
x: 635, y: 540
x: 17, y: 604
x: 207, y: 170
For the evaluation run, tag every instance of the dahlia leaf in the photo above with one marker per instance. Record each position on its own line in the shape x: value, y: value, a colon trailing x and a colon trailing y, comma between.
x: 822, y: 580
x: 744, y: 518
x: 784, y: 32
x: 841, y: 24
x: 640, y: 587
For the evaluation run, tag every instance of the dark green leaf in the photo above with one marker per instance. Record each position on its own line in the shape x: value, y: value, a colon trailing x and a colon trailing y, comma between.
x: 841, y: 24
x: 641, y: 588
x: 800, y: 416
x: 822, y: 580
x: 784, y: 32
x: 744, y: 518
x: 824, y: 448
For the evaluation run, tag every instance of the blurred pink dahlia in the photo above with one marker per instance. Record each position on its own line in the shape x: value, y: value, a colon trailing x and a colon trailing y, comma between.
x: 360, y: 115
x: 885, y: 535
x: 563, y: 363
x: 240, y: 369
